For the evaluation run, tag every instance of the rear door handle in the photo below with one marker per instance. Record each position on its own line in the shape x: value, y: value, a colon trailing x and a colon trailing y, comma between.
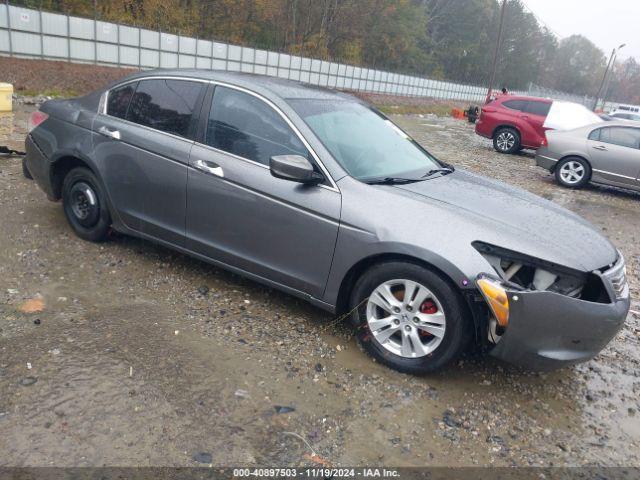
x: 115, y: 134
x: 600, y: 147
x: 209, y: 167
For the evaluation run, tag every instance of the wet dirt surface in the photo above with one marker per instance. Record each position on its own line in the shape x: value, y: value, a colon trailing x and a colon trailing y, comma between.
x: 136, y: 355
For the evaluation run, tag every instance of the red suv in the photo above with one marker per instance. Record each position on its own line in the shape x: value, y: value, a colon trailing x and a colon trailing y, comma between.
x: 513, y: 122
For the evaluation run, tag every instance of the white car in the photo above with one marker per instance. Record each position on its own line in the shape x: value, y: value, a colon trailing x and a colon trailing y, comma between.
x: 626, y: 112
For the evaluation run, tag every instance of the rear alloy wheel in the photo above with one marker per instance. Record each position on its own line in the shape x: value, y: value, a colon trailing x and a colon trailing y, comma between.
x: 506, y: 140
x: 573, y: 172
x: 408, y: 317
x: 85, y: 206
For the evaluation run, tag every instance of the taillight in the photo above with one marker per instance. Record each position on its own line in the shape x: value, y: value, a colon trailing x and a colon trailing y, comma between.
x: 544, y: 142
x: 36, y: 119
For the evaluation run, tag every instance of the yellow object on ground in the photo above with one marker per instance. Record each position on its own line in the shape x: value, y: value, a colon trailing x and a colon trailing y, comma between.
x: 6, y: 93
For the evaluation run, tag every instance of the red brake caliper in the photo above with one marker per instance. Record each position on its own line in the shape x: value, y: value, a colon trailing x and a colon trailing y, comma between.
x: 429, y: 307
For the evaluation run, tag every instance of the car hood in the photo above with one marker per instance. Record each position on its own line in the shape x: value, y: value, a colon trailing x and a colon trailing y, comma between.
x: 516, y: 219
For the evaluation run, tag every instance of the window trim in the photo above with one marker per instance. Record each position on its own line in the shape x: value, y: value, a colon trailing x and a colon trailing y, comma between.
x: 102, y: 110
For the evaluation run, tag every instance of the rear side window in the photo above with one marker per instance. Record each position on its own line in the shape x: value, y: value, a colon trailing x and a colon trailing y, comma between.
x: 624, y: 137
x: 538, y: 108
x: 119, y: 99
x: 166, y: 105
x: 595, y: 134
x: 515, y: 104
x: 246, y: 126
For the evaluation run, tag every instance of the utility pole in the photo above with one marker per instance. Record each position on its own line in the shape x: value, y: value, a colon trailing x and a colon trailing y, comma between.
x: 606, y: 71
x: 497, y: 51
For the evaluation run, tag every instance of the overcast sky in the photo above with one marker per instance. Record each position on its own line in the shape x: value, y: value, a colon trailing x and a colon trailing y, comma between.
x: 607, y: 23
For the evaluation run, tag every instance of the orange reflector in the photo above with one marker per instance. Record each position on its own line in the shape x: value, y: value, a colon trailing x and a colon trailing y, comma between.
x: 497, y: 299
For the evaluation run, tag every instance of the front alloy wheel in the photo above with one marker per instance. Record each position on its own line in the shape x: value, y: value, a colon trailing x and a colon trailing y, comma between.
x: 409, y: 317
x: 406, y: 318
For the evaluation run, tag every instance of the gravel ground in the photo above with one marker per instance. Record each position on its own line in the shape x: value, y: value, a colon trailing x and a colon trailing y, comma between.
x: 128, y: 354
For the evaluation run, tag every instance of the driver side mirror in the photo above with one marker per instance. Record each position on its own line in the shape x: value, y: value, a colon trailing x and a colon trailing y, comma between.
x: 295, y: 168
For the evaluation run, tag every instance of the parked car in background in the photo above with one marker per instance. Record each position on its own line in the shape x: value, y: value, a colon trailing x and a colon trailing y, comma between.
x: 514, y: 122
x: 317, y: 194
x: 626, y: 109
x: 625, y: 116
x: 607, y: 153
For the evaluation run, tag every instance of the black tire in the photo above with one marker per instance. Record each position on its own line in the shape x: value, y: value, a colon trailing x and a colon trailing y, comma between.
x: 457, y: 332
x: 510, y: 143
x: 85, y: 205
x: 25, y: 170
x: 565, y: 179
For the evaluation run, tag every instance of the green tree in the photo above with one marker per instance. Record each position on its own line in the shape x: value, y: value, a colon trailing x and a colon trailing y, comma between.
x: 578, y: 66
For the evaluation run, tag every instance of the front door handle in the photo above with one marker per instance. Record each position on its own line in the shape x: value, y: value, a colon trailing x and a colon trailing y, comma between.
x: 115, y: 134
x: 600, y: 147
x: 209, y: 167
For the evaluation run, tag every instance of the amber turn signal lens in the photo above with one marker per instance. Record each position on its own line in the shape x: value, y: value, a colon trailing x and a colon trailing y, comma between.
x: 497, y: 299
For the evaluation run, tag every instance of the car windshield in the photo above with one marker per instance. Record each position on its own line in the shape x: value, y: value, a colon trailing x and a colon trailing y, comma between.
x: 365, y: 143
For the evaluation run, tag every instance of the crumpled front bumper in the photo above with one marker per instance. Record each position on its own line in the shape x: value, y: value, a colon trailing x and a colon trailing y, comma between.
x: 547, y: 330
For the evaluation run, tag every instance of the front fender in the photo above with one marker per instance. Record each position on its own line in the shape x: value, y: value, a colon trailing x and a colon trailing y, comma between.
x: 355, y: 246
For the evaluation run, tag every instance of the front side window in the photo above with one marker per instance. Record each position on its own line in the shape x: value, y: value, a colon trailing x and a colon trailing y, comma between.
x: 166, y: 105
x: 538, y: 108
x: 365, y: 143
x: 244, y: 125
x: 624, y: 137
x: 118, y: 100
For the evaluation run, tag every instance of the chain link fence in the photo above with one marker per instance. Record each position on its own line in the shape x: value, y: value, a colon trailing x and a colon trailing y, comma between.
x: 538, y: 91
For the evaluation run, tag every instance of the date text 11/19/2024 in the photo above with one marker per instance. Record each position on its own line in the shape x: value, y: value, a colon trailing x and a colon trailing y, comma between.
x: 316, y: 472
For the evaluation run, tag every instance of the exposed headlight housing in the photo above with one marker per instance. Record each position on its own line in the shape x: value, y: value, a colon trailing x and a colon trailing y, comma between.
x: 514, y: 271
x: 524, y: 272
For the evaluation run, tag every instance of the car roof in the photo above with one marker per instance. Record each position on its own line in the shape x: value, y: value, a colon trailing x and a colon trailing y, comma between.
x: 618, y: 123
x: 594, y: 126
x: 285, y: 89
x: 624, y: 112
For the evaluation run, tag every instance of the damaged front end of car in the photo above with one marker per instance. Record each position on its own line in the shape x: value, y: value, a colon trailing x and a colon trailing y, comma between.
x: 542, y: 316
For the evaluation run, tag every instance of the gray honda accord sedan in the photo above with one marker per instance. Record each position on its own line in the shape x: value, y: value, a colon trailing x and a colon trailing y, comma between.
x: 316, y: 193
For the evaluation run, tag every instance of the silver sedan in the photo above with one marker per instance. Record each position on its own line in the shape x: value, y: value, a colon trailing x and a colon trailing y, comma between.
x: 606, y: 153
